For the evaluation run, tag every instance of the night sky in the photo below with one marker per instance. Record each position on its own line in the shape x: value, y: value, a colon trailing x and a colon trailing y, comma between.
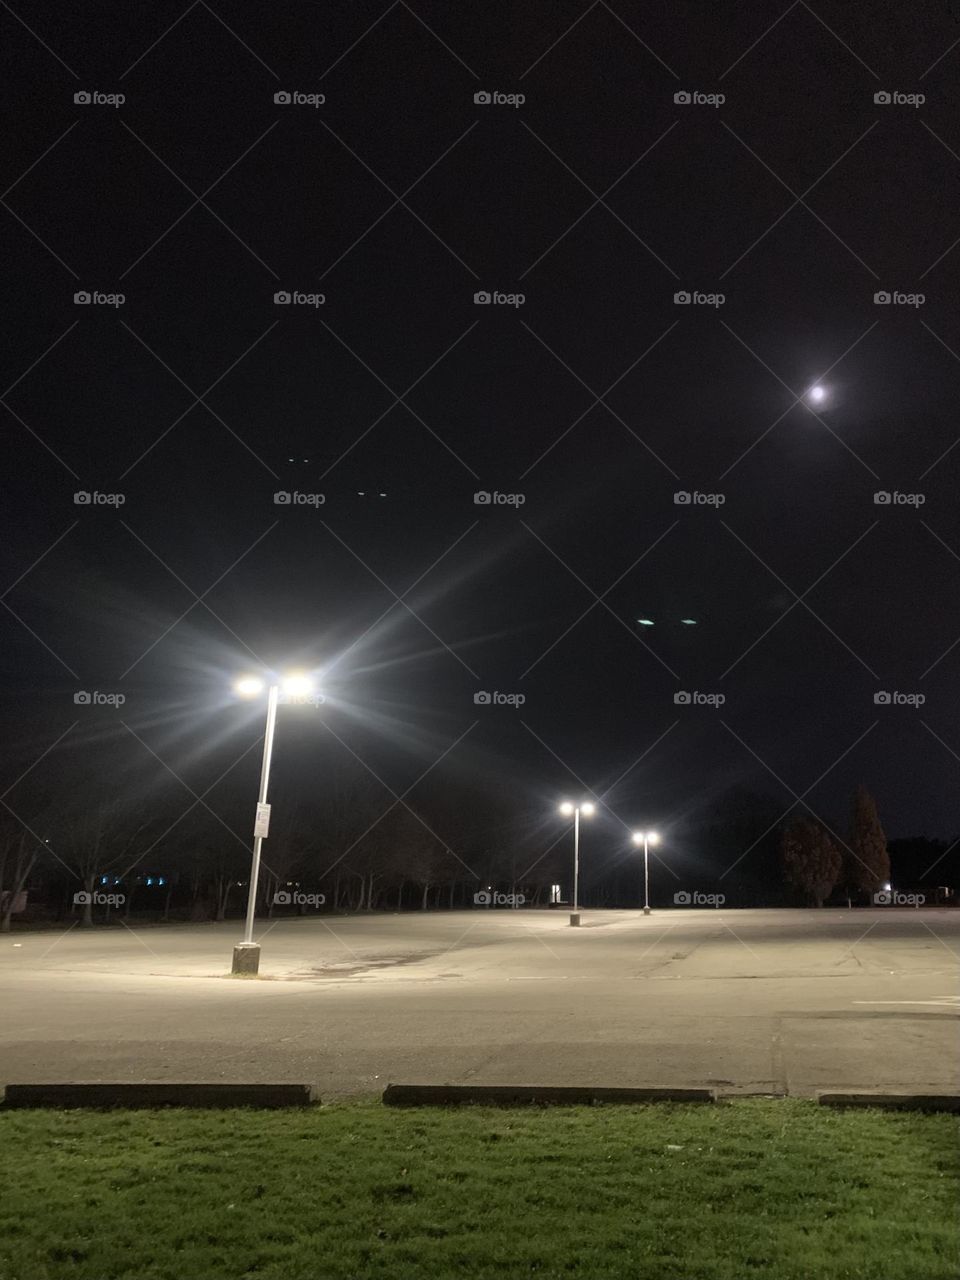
x: 598, y: 398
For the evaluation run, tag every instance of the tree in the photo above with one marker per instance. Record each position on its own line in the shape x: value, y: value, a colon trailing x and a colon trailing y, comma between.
x: 18, y: 854
x: 96, y: 837
x: 810, y: 859
x: 867, y: 862
x: 741, y: 836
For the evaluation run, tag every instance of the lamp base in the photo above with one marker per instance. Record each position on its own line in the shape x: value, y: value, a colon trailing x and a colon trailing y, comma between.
x: 246, y: 959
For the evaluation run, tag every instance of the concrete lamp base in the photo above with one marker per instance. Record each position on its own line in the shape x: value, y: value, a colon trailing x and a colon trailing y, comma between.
x: 246, y: 959
x: 575, y: 918
x: 646, y: 911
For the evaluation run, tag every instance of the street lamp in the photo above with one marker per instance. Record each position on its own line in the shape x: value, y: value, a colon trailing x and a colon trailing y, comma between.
x: 246, y: 955
x: 588, y: 811
x: 646, y: 838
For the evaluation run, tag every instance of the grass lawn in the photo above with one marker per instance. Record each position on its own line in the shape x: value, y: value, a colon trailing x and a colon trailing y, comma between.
x: 753, y: 1188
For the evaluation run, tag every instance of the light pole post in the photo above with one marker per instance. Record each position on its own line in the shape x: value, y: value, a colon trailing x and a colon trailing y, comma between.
x: 646, y: 877
x: 646, y: 838
x: 246, y: 955
x: 576, y: 859
x: 575, y: 809
x: 297, y: 686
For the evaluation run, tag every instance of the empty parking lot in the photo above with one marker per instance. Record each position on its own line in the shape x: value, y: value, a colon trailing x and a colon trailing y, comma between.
x: 750, y: 1001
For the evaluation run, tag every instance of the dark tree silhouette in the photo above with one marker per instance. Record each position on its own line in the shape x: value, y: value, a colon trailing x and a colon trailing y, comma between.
x: 810, y: 859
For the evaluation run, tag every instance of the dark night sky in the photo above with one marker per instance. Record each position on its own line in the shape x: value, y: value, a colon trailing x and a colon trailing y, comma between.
x: 798, y: 198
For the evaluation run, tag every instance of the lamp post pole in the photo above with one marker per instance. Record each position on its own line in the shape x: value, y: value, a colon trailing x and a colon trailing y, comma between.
x: 646, y: 876
x: 574, y: 811
x: 646, y: 838
x: 246, y: 955
x: 576, y: 862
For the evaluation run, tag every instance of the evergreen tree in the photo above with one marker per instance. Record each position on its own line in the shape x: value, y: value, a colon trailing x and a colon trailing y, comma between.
x: 810, y: 860
x: 867, y: 862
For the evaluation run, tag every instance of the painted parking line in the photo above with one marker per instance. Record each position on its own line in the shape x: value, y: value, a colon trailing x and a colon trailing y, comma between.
x: 945, y: 1002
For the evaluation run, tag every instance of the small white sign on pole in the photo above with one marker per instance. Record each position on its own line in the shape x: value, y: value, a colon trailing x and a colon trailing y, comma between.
x: 261, y: 826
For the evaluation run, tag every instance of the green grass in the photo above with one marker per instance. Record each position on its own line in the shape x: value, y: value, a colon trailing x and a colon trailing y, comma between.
x: 755, y: 1188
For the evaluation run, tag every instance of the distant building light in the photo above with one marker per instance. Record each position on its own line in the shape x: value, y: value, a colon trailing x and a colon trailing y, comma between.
x: 689, y: 622
x: 645, y: 622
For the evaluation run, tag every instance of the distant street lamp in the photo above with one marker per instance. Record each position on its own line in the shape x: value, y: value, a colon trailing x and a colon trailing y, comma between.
x: 646, y: 838
x: 246, y: 955
x: 588, y: 811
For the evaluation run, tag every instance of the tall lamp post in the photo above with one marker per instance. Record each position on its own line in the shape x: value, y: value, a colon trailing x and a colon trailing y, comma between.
x: 588, y: 811
x: 646, y: 838
x: 246, y: 954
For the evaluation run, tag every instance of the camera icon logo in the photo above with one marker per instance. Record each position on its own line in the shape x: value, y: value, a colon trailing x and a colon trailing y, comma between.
x: 882, y: 298
x: 682, y: 298
x: 82, y: 98
x: 81, y: 298
x: 482, y: 498
x: 482, y: 98
x: 81, y: 698
x: 682, y: 98
x: 82, y: 898
x: 281, y: 498
x: 682, y: 498
x: 82, y: 498
x: 883, y: 897
x: 681, y: 698
x: 881, y: 97
x: 281, y: 98
x: 483, y: 898
x: 881, y: 698
x: 482, y: 299
x: 482, y: 699
x: 282, y: 298
x: 681, y: 898
x: 881, y: 498
x: 282, y: 898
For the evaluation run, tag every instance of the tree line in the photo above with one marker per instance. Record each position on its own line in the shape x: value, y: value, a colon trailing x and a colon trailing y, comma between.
x: 359, y: 849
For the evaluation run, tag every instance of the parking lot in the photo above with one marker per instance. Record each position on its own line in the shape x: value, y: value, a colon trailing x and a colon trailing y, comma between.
x: 748, y: 1001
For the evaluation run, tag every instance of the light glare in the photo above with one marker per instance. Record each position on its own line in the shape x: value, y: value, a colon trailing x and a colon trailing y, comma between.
x: 248, y: 686
x: 297, y: 683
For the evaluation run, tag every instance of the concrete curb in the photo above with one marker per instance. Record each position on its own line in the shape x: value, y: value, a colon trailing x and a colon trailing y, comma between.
x: 160, y: 1095
x: 893, y: 1101
x: 506, y: 1095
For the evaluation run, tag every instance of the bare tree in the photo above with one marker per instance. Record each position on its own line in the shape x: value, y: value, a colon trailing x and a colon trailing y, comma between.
x: 94, y: 840
x: 18, y: 856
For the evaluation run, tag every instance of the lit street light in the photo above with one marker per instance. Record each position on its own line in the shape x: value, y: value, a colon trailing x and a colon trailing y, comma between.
x: 587, y: 810
x: 646, y: 838
x: 246, y: 955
